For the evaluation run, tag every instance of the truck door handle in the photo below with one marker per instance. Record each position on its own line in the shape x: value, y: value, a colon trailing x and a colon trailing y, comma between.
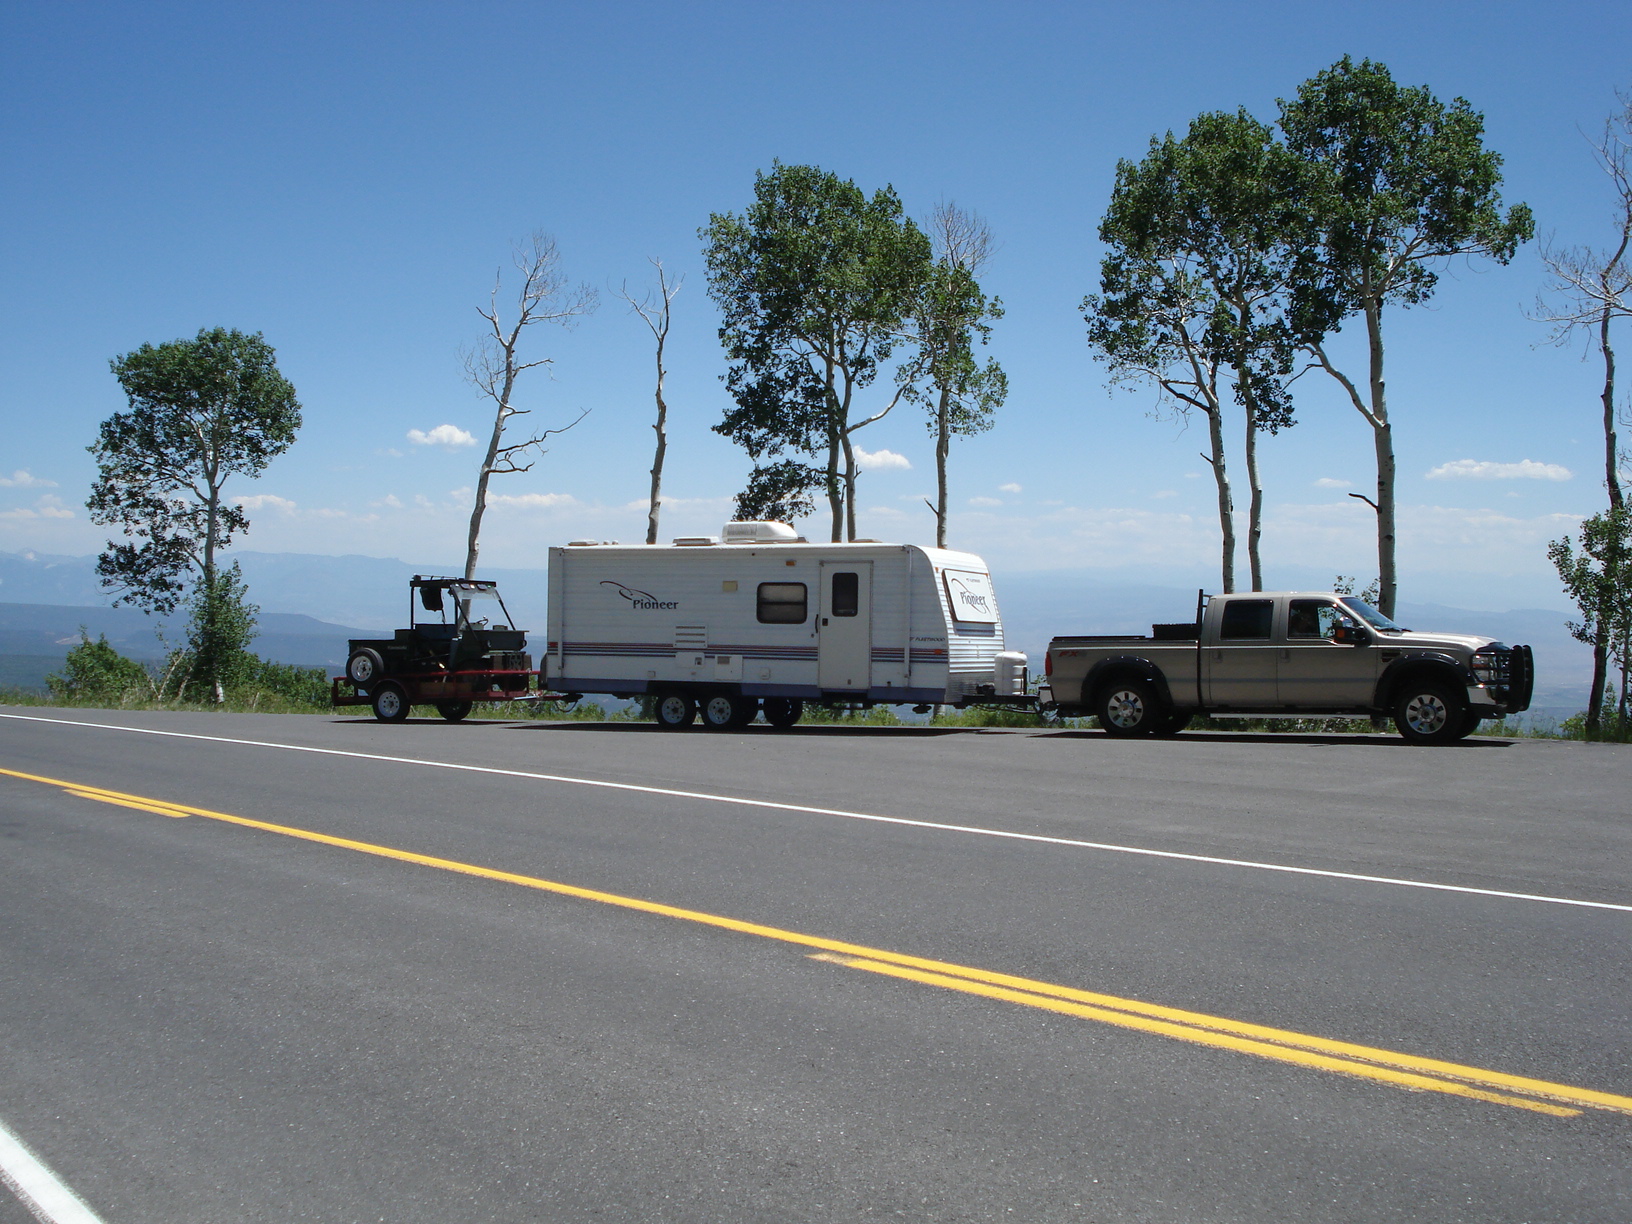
x: 824, y: 620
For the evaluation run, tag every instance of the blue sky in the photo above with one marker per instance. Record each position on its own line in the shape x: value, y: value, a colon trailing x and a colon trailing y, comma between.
x: 347, y: 179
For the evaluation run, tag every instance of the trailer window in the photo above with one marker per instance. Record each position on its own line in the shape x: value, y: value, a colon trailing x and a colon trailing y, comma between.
x: 846, y: 594
x: 782, y: 603
x: 1247, y: 618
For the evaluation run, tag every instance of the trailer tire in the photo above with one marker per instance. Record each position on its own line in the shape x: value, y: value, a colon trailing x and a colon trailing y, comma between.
x: 390, y: 702
x: 674, y: 710
x: 783, y: 711
x: 1129, y: 708
x: 1430, y: 712
x: 454, y: 711
x: 726, y: 711
x: 364, y: 667
x: 1175, y: 722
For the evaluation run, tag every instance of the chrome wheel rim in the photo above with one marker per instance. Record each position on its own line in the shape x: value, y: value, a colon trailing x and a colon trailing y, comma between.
x: 1426, y: 713
x: 362, y: 669
x: 1126, y: 708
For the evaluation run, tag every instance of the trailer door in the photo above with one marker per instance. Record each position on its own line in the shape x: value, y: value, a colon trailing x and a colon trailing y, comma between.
x: 844, y: 626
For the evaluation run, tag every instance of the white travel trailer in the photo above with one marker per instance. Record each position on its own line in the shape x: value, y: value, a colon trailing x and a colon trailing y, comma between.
x: 759, y: 619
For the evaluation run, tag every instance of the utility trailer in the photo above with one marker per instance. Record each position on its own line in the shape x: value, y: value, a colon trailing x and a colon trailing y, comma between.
x: 758, y: 619
x: 471, y: 653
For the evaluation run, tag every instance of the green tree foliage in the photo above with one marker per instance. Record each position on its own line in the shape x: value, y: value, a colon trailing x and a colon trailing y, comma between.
x: 1394, y: 184
x: 948, y: 319
x: 1193, y: 289
x: 1598, y: 578
x: 96, y: 672
x: 219, y: 631
x: 815, y: 281
x: 201, y: 411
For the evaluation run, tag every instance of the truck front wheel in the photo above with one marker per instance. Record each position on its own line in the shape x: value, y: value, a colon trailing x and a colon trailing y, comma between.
x: 1129, y: 707
x: 1426, y: 712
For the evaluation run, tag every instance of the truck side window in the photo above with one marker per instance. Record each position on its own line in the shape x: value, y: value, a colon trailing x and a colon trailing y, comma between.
x: 1247, y: 618
x: 782, y: 603
x: 846, y: 594
x: 1314, y: 618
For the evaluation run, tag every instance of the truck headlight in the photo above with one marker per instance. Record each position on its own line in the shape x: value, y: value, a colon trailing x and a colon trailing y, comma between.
x: 1484, y: 668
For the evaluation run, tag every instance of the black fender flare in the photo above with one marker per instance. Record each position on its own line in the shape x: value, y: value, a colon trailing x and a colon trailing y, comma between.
x: 1432, y: 662
x: 1124, y: 667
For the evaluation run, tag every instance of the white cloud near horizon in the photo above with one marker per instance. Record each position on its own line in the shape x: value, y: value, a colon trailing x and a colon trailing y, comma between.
x: 881, y: 460
x: 1481, y: 469
x: 534, y: 501
x: 1011, y: 487
x: 22, y: 479
x: 265, y: 501
x: 1332, y: 482
x: 448, y: 437
x: 47, y: 507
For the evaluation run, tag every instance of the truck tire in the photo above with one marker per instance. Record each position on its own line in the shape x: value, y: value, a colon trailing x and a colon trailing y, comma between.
x: 783, y: 711
x: 364, y: 667
x: 674, y: 710
x: 1430, y: 712
x: 390, y: 702
x: 1175, y: 722
x: 1128, y: 708
x: 454, y: 711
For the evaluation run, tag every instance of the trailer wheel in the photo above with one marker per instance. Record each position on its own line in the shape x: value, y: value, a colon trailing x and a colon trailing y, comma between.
x: 364, y: 666
x: 390, y: 703
x: 1429, y: 712
x: 782, y: 711
x: 1127, y: 708
x: 725, y: 711
x: 453, y: 711
x: 674, y: 710
x: 1175, y: 722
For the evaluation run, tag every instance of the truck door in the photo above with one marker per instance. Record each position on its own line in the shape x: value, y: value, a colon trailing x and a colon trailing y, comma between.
x: 1314, y: 672
x: 844, y: 626
x: 1238, y: 665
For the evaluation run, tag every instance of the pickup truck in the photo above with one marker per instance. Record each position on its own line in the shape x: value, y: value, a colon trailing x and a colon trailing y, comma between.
x: 1288, y: 654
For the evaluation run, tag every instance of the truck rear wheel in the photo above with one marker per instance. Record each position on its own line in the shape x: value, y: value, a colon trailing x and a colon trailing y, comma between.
x: 1430, y: 712
x: 1175, y: 722
x: 674, y: 710
x: 390, y: 702
x: 1128, y: 708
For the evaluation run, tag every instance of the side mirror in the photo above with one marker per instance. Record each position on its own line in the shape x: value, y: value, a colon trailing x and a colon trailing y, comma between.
x: 1350, y: 635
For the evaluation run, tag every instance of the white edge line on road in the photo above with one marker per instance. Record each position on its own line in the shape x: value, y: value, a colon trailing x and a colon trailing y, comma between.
x: 819, y: 811
x: 37, y: 1187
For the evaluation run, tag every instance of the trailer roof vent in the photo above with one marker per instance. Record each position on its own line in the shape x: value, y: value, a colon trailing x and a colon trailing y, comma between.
x: 581, y: 543
x: 760, y: 533
x: 695, y: 541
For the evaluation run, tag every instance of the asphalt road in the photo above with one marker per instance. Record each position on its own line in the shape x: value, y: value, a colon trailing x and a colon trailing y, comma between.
x: 409, y: 992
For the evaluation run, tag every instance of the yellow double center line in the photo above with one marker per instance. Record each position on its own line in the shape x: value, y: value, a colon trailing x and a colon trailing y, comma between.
x: 1342, y: 1057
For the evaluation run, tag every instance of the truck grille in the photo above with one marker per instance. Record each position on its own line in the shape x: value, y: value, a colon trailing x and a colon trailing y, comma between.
x: 1512, y: 677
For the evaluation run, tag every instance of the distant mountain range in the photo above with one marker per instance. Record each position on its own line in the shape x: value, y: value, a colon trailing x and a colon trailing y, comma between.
x: 309, y: 604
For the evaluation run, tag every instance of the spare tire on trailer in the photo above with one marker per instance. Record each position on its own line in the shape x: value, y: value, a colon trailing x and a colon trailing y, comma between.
x: 364, y: 667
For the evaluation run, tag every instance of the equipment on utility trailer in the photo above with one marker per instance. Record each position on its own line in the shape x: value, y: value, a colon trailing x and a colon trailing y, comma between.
x: 447, y: 663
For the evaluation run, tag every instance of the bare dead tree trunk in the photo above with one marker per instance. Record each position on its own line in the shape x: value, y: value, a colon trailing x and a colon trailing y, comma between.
x: 654, y: 312
x: 544, y: 297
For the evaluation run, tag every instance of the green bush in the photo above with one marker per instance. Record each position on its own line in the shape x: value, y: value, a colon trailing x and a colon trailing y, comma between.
x: 95, y: 671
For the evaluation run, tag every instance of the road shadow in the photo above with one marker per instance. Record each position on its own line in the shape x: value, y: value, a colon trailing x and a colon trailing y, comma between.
x: 1283, y: 737
x: 812, y: 729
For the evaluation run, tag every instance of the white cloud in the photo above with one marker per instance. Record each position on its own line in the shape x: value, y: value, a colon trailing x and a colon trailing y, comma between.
x: 389, y: 502
x: 449, y: 437
x: 985, y: 502
x: 1008, y: 488
x: 1479, y: 469
x: 22, y: 480
x: 47, y: 507
x: 879, y: 460
x: 1332, y: 482
x: 266, y: 501
x: 534, y: 501
x: 1162, y: 493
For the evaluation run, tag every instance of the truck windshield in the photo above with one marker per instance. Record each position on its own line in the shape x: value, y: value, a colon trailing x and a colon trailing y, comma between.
x: 1370, y: 615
